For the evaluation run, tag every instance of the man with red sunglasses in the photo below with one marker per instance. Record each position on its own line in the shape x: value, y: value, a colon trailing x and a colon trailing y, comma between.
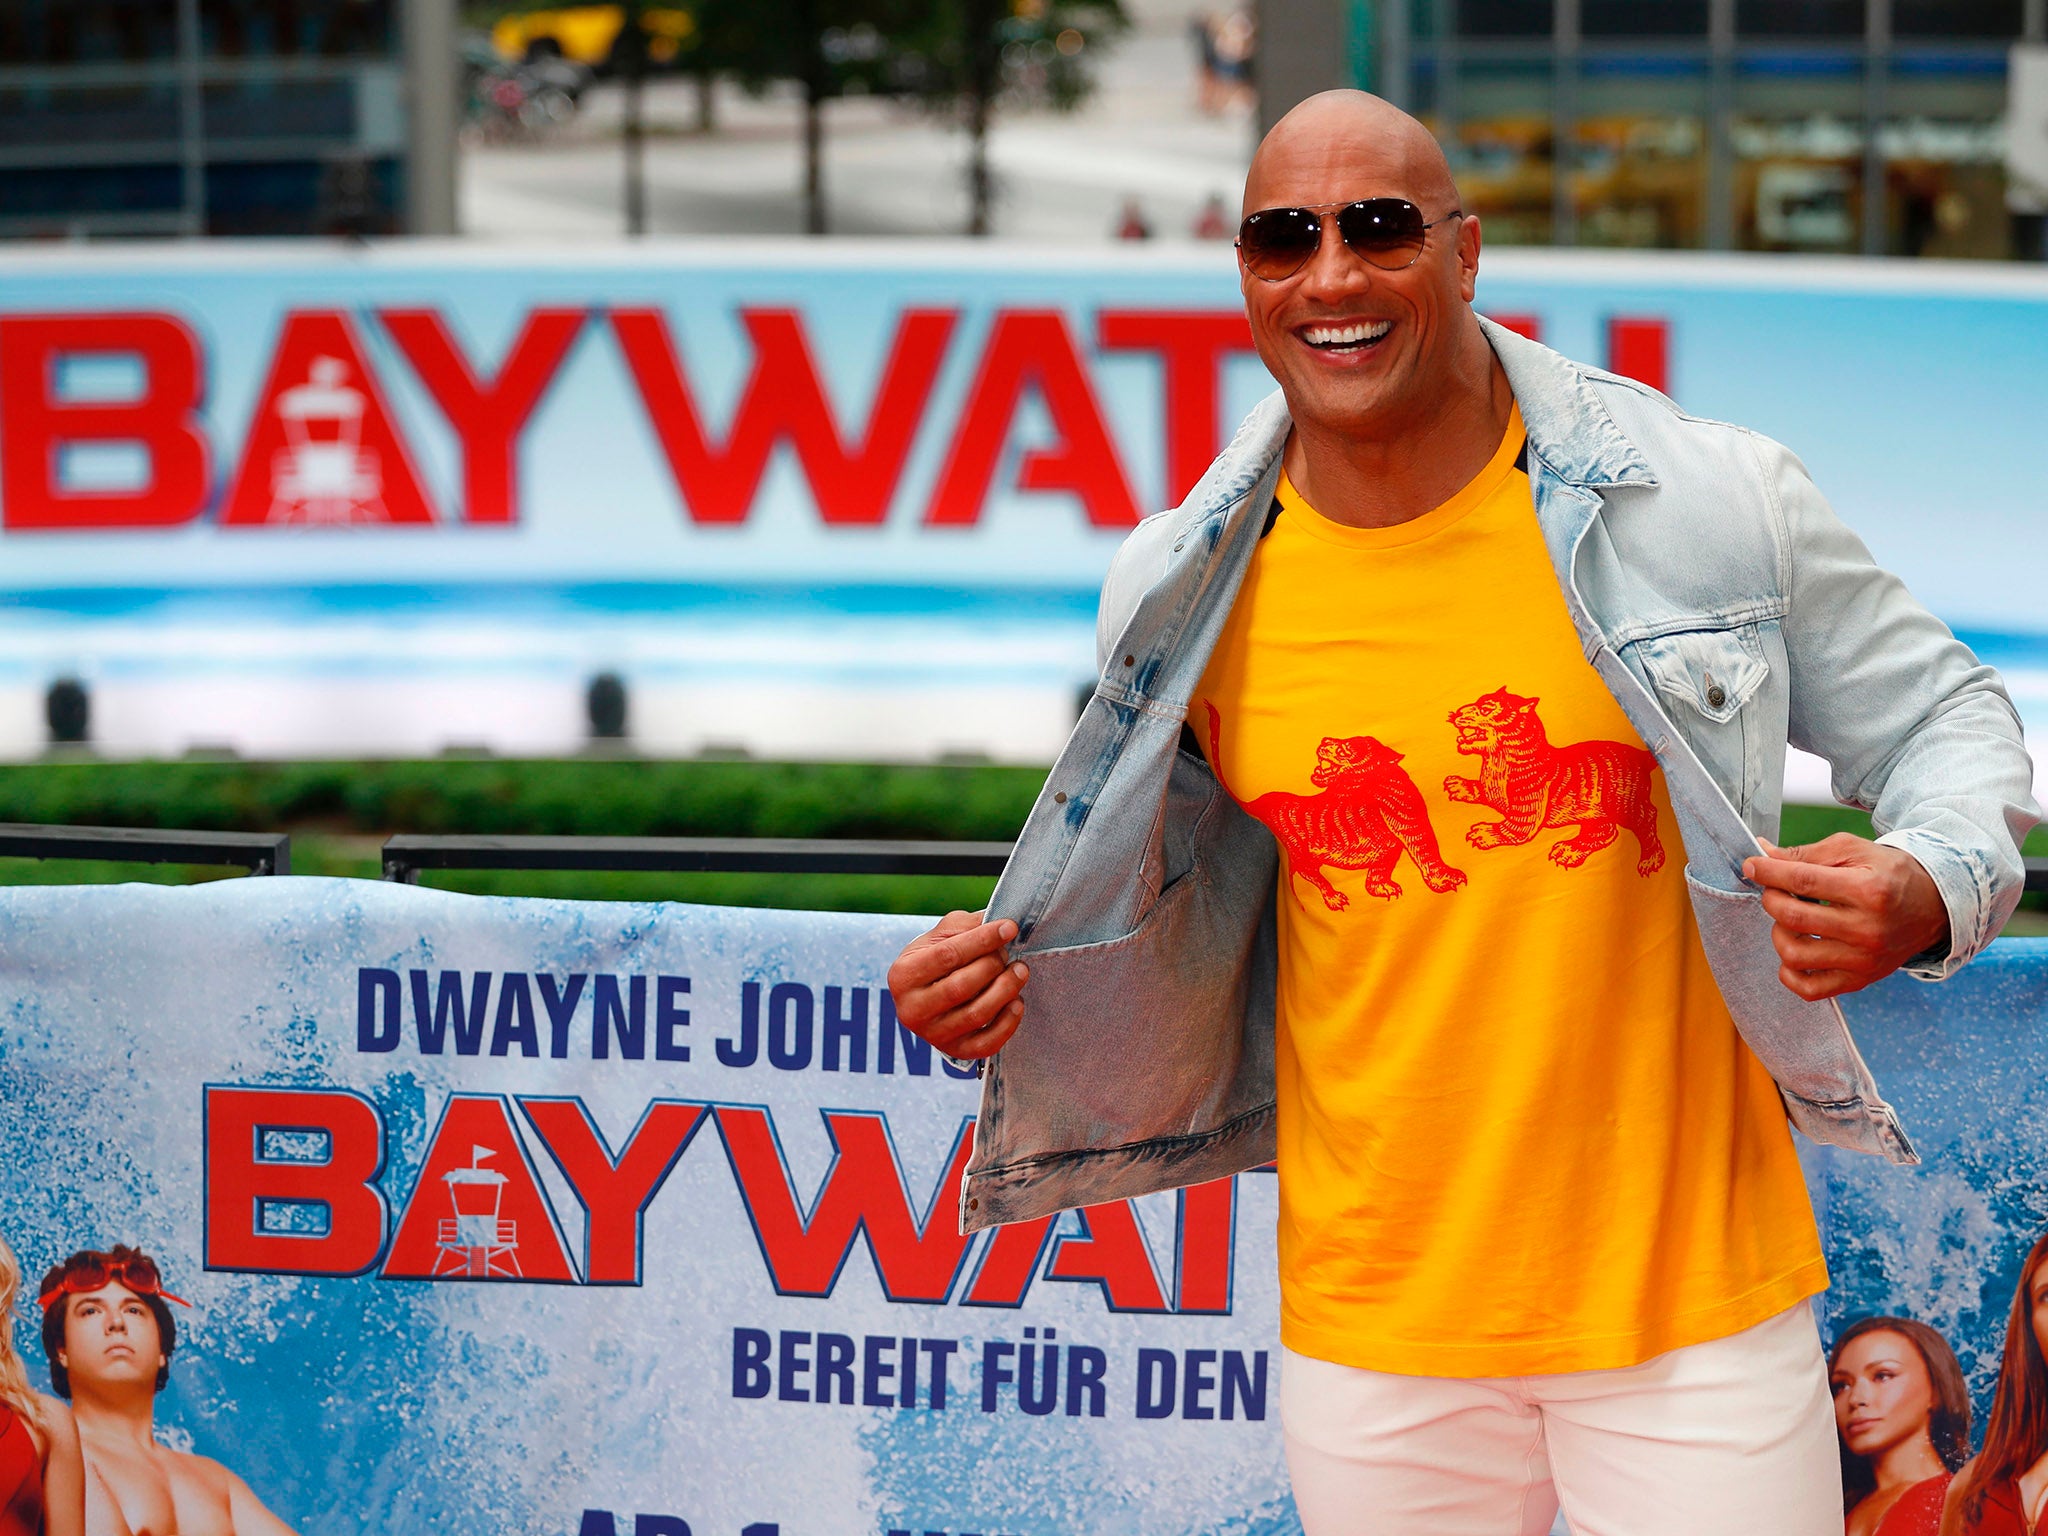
x: 109, y: 1335
x: 1416, y: 834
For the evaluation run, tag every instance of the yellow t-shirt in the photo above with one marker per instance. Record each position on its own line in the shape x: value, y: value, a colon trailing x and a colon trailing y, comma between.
x: 1518, y: 1131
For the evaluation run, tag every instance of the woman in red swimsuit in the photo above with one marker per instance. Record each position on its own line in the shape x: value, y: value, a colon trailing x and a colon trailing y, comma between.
x: 1903, y: 1413
x: 2002, y: 1490
x: 42, y: 1472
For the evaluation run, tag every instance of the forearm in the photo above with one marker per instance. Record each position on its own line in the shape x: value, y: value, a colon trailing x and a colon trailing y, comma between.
x: 1915, y: 728
x: 1958, y: 798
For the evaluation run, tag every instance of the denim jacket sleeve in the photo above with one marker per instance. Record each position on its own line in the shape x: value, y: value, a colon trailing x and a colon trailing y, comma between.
x: 1917, y: 730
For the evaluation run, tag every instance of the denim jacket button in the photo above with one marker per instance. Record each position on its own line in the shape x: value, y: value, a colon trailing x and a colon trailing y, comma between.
x: 1130, y: 661
x: 1716, y: 696
x: 1060, y: 798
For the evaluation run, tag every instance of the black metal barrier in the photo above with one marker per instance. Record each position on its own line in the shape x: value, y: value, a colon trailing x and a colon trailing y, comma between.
x: 260, y: 853
x: 405, y: 855
x: 408, y: 853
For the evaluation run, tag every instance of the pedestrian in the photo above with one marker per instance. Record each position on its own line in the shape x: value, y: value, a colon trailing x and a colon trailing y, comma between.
x: 1131, y: 223
x: 1211, y: 223
x: 1487, y: 937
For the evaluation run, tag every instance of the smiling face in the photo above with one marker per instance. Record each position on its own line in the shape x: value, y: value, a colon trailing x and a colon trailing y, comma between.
x: 1360, y: 351
x: 1883, y: 1393
x: 111, y: 1339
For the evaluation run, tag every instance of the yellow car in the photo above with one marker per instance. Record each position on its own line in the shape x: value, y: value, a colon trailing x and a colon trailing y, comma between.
x: 589, y: 34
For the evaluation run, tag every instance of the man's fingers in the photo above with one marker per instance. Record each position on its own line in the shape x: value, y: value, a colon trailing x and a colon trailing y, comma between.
x: 1815, y: 985
x: 1802, y: 953
x: 992, y: 1037
x: 950, y: 990
x: 1816, y: 882
x: 1849, y: 924
x: 932, y: 955
x: 963, y: 1022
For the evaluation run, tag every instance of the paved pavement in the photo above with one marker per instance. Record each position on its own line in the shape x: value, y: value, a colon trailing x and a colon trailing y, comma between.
x: 1061, y: 177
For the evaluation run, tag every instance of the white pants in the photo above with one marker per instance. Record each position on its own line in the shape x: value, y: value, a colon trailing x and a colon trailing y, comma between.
x: 1735, y: 1437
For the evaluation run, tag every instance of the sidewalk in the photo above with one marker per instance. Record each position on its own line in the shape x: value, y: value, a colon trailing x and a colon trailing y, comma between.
x: 1061, y: 178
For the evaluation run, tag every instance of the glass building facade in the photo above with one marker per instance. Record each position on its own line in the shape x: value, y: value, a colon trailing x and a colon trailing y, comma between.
x: 217, y: 117
x: 1871, y: 126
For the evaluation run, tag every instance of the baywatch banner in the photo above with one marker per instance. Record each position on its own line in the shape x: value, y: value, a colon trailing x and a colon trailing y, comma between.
x: 772, y: 483
x: 595, y: 1219
x: 934, y: 415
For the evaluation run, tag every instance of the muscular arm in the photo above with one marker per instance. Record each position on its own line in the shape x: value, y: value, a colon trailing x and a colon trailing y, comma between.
x: 63, y: 1472
x: 1915, y: 728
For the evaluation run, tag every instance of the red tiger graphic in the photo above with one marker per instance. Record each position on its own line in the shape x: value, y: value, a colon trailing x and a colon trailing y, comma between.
x: 1367, y: 813
x: 1598, y: 786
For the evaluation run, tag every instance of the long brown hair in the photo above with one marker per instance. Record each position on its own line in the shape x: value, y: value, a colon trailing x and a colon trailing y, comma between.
x: 1948, y: 1421
x: 15, y: 1391
x: 2017, y: 1433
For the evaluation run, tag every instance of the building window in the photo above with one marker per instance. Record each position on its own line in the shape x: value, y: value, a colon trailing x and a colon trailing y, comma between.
x: 1639, y: 154
x: 238, y: 29
x: 1797, y: 177
x: 1956, y: 18
x: 1643, y: 18
x: 87, y: 31
x: 1501, y: 147
x: 1505, y: 18
x: 1799, y: 18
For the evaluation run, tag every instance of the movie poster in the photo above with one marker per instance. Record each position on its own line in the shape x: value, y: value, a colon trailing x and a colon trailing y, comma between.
x: 602, y: 1219
x: 610, y: 1219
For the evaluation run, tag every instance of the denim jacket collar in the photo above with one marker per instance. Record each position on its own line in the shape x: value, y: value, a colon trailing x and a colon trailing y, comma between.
x: 1573, y: 441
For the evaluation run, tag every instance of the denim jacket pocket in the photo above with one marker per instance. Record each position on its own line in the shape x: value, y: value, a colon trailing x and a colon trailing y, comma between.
x: 1711, y: 672
x: 1706, y: 679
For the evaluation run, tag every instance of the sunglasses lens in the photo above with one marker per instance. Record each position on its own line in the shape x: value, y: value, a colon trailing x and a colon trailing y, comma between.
x: 140, y: 1276
x: 1386, y: 231
x: 1278, y: 242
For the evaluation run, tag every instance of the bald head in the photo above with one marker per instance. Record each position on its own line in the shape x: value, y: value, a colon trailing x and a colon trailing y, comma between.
x: 1341, y: 145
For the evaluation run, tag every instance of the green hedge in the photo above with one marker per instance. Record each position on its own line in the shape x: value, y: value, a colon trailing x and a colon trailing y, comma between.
x: 339, y: 814
x: 591, y: 797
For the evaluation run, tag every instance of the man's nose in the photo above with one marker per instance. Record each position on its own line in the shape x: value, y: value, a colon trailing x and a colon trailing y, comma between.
x: 116, y: 1323
x: 1335, y: 271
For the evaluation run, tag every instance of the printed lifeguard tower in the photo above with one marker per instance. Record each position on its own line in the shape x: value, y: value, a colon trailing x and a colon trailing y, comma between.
x: 324, y: 474
x: 476, y: 1240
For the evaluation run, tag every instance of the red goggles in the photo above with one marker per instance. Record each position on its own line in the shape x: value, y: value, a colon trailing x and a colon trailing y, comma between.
x: 95, y: 1270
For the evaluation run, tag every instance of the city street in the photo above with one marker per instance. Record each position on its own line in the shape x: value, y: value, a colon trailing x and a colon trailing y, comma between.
x: 1060, y: 178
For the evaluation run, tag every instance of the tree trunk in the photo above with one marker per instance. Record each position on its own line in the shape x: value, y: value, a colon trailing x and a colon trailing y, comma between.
x: 814, y: 158
x: 984, y: 66
x: 633, y: 42
x: 707, y: 116
x: 978, y: 190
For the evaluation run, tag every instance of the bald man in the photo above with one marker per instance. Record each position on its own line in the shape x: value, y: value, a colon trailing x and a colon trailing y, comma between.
x: 1415, y: 834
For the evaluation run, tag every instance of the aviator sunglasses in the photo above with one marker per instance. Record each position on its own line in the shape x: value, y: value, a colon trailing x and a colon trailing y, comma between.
x: 95, y: 1270
x: 1276, y: 243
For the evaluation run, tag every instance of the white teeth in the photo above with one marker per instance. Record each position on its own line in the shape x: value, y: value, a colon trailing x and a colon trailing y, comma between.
x: 1346, y: 335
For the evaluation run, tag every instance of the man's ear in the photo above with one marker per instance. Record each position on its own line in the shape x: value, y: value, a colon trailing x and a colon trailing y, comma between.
x: 1468, y: 256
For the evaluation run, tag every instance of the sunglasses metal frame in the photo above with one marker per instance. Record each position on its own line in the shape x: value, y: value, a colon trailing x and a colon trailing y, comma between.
x: 1333, y: 212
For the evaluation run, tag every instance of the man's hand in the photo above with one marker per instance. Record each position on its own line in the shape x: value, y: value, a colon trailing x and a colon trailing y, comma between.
x: 1880, y: 909
x: 956, y: 988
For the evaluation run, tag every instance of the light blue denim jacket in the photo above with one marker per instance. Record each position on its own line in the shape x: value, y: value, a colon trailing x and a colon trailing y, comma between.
x: 1727, y: 609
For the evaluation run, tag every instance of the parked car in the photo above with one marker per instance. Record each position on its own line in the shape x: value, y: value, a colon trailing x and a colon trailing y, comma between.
x: 590, y: 34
